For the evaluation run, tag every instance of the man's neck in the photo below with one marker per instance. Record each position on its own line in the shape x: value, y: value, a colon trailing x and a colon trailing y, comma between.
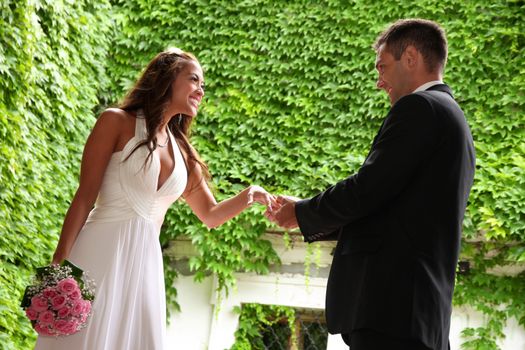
x: 425, y: 78
x: 427, y: 85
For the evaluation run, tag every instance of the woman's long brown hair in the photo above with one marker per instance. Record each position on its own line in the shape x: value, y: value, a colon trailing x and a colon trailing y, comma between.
x: 152, y: 94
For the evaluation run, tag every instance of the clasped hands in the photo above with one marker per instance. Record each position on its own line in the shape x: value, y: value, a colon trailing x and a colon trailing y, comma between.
x: 279, y: 209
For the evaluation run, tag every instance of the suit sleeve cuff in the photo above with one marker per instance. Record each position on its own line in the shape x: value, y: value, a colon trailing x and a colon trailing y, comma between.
x: 306, y: 225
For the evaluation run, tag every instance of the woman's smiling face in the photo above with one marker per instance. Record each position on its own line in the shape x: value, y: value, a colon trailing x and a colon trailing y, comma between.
x: 188, y: 89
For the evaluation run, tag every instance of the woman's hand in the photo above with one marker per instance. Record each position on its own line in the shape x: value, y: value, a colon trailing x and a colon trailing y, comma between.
x: 260, y: 195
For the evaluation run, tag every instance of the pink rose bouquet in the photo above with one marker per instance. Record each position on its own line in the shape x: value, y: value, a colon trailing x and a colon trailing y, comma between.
x: 58, y: 303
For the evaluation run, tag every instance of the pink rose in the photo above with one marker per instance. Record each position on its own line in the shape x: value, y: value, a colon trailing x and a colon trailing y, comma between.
x: 77, y: 308
x: 64, y: 312
x: 66, y: 327
x: 87, y: 306
x: 39, y: 303
x: 70, y: 328
x: 60, y: 325
x: 50, y: 293
x: 67, y: 285
x: 58, y: 302
x: 31, y: 313
x: 46, y: 318
x: 42, y: 330
x: 75, y: 295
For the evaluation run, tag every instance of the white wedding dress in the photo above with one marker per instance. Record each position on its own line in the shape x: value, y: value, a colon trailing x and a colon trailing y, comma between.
x: 119, y: 248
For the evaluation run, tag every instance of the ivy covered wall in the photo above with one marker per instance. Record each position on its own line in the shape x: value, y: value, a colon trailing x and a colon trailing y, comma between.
x: 291, y: 104
x: 52, y: 57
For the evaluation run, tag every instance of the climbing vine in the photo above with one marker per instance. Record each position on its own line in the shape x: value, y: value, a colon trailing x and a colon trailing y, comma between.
x: 255, y: 319
x: 290, y: 105
x: 52, y: 58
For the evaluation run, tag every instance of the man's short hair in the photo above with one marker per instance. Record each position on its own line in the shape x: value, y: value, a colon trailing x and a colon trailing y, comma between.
x: 426, y: 36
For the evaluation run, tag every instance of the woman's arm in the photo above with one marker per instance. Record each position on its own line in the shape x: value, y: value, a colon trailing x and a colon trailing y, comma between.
x: 100, y: 145
x: 213, y: 214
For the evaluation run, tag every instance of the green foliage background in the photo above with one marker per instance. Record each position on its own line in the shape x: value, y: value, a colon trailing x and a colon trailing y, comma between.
x: 52, y: 56
x: 254, y: 319
x: 291, y: 104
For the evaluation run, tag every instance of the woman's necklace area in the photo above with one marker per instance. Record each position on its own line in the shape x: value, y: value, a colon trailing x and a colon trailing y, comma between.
x: 167, y: 140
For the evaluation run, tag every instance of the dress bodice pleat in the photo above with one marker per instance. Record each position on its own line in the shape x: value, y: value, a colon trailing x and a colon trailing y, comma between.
x: 130, y: 186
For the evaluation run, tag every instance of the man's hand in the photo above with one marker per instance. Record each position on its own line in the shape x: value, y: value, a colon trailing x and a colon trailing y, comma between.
x: 284, y: 212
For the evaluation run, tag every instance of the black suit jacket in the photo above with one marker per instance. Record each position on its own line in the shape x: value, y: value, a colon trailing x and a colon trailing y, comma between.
x: 398, y: 223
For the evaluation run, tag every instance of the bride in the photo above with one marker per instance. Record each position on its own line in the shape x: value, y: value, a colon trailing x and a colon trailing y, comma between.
x: 137, y: 161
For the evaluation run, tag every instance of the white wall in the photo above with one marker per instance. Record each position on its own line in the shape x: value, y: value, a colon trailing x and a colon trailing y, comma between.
x: 190, y: 328
x: 203, y: 325
x: 196, y: 324
x: 463, y: 317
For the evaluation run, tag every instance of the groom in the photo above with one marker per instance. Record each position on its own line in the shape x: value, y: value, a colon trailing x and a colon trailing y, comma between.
x: 398, y: 220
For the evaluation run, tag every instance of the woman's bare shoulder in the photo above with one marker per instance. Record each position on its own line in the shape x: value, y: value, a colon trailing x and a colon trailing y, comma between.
x: 118, y: 120
x: 118, y: 124
x: 117, y: 116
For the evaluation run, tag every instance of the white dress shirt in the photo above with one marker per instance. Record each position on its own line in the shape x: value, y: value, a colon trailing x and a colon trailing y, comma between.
x: 428, y: 85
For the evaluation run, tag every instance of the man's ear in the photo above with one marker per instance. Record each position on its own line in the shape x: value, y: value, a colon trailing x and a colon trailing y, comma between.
x: 411, y: 56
